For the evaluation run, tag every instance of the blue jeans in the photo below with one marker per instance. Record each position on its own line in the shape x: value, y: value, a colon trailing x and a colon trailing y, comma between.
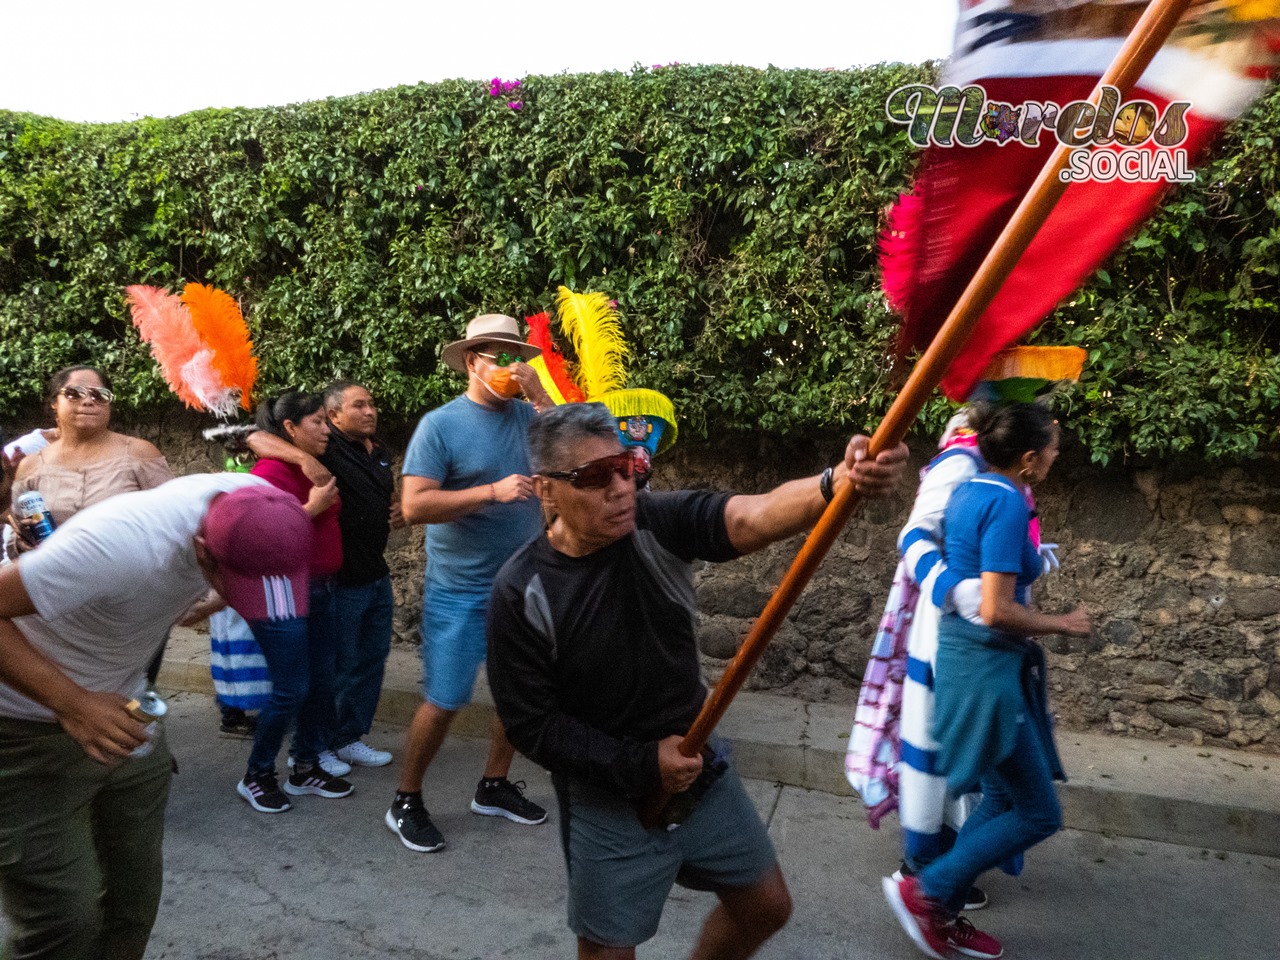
x: 364, y: 640
x: 1019, y: 809
x: 300, y: 655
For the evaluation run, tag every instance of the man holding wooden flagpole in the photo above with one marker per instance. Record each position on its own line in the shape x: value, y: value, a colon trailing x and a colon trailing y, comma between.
x: 529, y: 648
x: 594, y: 669
x: 965, y: 312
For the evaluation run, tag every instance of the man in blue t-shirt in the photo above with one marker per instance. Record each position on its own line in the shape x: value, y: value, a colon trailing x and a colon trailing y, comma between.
x: 467, y: 476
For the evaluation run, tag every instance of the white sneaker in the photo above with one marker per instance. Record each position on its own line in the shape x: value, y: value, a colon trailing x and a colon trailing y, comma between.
x: 329, y: 763
x: 360, y: 754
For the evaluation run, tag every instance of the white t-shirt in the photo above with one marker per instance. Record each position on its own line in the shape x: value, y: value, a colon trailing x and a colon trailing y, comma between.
x: 110, y: 583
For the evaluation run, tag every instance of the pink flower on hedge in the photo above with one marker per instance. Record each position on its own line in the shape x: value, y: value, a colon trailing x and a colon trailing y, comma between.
x: 499, y: 87
x: 515, y: 104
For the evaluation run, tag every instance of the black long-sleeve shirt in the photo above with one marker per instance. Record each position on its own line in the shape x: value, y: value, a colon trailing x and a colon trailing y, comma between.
x: 593, y: 660
x: 366, y: 485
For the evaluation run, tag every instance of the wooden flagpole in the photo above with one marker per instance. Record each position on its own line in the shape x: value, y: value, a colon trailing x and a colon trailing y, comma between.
x: 1148, y: 36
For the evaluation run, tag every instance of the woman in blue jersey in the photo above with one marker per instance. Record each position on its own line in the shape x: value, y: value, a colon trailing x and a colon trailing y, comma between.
x: 991, y: 720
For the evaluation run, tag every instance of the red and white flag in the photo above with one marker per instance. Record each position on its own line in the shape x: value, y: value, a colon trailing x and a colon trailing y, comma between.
x: 1032, y: 59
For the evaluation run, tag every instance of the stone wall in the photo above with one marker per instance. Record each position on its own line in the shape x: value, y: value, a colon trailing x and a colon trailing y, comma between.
x: 1179, y: 564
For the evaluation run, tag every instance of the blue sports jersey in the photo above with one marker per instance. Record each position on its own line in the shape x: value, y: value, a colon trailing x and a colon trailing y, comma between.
x: 987, y: 530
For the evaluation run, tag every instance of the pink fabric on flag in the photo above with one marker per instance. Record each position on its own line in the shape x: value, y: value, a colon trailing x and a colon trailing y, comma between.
x: 963, y: 197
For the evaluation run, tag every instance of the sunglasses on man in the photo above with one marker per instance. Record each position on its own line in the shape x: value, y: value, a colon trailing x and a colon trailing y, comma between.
x: 77, y: 393
x: 502, y: 359
x: 632, y: 463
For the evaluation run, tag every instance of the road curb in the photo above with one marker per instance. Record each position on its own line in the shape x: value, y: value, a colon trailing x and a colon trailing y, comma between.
x: 1173, y: 793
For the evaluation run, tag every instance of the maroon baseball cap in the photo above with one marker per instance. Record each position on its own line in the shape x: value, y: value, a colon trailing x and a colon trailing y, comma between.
x: 261, y: 538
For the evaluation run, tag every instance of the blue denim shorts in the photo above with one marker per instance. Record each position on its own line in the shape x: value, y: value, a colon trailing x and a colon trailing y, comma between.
x: 620, y: 873
x: 453, y: 645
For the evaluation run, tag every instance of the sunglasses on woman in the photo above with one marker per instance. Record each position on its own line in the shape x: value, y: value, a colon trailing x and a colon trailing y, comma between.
x: 98, y: 394
x: 594, y: 474
x: 502, y: 359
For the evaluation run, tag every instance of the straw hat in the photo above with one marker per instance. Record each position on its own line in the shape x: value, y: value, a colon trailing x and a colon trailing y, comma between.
x: 487, y: 328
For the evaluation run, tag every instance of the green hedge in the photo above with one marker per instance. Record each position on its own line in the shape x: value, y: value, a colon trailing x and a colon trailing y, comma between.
x: 732, y: 212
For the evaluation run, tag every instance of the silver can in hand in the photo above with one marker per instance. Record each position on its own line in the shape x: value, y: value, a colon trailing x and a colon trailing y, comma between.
x: 31, y: 506
x: 148, y: 709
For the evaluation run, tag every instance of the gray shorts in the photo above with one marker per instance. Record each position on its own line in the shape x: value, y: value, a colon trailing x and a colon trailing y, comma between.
x: 620, y: 873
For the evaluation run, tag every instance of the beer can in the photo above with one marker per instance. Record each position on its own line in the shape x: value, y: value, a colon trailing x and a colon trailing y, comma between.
x: 148, y: 709
x: 31, y: 506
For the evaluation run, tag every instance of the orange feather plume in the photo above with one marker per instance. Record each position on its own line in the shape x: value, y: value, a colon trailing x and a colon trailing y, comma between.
x: 164, y: 322
x: 221, y: 326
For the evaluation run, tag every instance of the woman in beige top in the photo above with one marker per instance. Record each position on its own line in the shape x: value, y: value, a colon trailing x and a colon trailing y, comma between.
x: 88, y: 462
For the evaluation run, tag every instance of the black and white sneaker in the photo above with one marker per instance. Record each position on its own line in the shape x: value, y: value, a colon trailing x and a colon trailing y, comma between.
x: 262, y: 792
x: 408, y: 820
x: 312, y: 779
x: 328, y: 761
x: 975, y: 899
x: 499, y: 797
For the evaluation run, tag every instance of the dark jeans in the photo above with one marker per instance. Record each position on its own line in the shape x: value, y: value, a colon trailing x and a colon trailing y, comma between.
x: 1019, y: 809
x: 80, y: 845
x: 364, y: 640
x: 300, y: 657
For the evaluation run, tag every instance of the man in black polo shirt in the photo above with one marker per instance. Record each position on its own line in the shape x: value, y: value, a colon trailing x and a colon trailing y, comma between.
x: 366, y: 485
x: 365, y: 605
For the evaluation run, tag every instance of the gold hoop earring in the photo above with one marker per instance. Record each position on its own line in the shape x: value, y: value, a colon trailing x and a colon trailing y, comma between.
x: 1023, y: 473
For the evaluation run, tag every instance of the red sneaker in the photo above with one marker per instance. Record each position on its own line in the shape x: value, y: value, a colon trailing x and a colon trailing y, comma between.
x: 921, y: 917
x: 964, y: 937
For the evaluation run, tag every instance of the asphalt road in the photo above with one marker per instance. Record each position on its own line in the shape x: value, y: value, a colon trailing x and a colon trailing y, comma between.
x: 327, y: 880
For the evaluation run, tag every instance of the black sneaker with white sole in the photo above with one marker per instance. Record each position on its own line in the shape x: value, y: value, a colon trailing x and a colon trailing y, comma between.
x: 312, y: 779
x: 408, y: 820
x: 238, y: 724
x: 262, y: 792
x: 499, y: 797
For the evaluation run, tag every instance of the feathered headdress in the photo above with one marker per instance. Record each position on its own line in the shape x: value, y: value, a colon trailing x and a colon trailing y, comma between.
x: 1025, y: 374
x: 164, y: 323
x: 550, y: 364
x: 591, y: 324
x: 644, y: 417
x: 200, y: 343
x: 221, y: 326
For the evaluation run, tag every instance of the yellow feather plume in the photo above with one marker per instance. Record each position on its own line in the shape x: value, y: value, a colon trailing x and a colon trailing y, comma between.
x: 592, y: 326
